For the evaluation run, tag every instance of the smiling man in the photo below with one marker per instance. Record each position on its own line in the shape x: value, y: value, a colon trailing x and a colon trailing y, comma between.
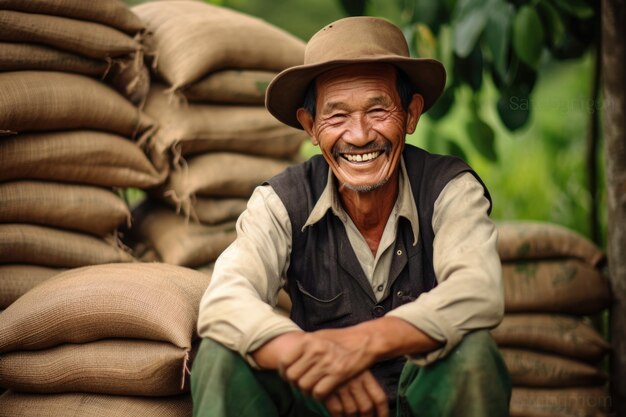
x: 386, y: 251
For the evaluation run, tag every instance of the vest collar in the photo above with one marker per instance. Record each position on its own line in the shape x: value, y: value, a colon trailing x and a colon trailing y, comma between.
x: 329, y: 200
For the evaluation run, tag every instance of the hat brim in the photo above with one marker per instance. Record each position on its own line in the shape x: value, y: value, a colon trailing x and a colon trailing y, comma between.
x: 285, y: 94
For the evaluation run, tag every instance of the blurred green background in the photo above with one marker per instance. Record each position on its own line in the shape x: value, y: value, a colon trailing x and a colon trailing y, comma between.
x: 538, y: 169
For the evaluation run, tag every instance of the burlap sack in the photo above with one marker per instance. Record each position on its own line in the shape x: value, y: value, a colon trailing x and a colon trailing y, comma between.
x: 208, y: 210
x: 563, y: 402
x: 14, y: 404
x: 39, y: 245
x: 196, y: 128
x: 77, y: 207
x: 79, y: 156
x: 180, y: 242
x: 559, y: 286
x: 117, y: 367
x: 221, y: 174
x: 562, y: 335
x: 193, y: 39
x: 112, y: 13
x: 148, y: 301
x: 537, y: 240
x: 48, y: 100
x: 231, y: 86
x: 535, y: 369
x: 17, y: 280
x: 29, y: 56
x: 89, y: 39
x: 131, y: 78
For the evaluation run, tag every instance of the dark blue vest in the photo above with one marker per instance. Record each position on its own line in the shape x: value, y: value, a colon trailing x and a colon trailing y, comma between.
x: 327, y: 285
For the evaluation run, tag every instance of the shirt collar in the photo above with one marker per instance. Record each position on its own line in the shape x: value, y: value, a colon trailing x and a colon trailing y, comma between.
x: 329, y: 200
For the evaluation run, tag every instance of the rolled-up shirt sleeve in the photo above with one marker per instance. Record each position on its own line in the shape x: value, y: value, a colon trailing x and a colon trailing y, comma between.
x: 237, y: 308
x: 469, y: 294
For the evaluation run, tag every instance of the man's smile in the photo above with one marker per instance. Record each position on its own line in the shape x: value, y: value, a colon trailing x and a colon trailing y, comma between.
x: 366, y: 157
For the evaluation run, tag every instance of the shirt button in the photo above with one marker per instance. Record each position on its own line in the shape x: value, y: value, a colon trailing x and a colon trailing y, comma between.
x: 399, y: 293
x: 380, y: 288
x: 378, y: 311
x: 399, y: 252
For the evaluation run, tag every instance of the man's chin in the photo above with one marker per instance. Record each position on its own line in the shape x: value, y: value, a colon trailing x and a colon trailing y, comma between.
x: 364, y: 188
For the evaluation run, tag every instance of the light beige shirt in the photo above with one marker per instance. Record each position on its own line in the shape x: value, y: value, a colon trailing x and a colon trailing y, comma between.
x: 237, y: 308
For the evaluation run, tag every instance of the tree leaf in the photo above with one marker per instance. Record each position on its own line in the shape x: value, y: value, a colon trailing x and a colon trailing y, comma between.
x: 425, y: 42
x: 553, y: 23
x: 528, y: 35
x: 514, y: 110
x: 442, y: 105
x: 481, y: 135
x: 354, y: 7
x: 455, y: 149
x: 498, y: 34
x: 470, y: 69
x: 578, y: 8
x: 468, y: 25
x: 428, y: 12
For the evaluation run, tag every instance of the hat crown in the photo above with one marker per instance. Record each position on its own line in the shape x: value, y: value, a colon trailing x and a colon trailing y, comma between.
x: 356, y: 38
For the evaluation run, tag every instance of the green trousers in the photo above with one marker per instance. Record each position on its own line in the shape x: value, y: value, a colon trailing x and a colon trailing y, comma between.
x: 472, y: 381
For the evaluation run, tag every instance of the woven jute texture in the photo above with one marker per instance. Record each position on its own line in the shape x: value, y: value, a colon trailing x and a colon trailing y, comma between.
x: 79, y: 156
x: 17, y: 280
x: 209, y: 210
x: 559, y: 286
x: 196, y: 128
x: 131, y: 78
x: 181, y: 242
x: 48, y: 100
x: 221, y: 174
x: 118, y: 367
x: 534, y: 369
x: 564, y: 402
x: 14, y: 404
x: 149, y: 301
x: 112, y: 13
x: 67, y: 206
x: 47, y: 246
x: 192, y: 39
x: 85, y: 38
x: 231, y: 86
x: 563, y: 335
x: 534, y: 240
x: 27, y: 56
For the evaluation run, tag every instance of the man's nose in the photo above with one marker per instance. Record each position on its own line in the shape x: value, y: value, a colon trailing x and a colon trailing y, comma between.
x: 359, y: 131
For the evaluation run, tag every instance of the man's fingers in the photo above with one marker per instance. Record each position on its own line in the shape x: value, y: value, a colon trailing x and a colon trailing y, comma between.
x: 376, y: 394
x: 333, y: 405
x: 348, y: 403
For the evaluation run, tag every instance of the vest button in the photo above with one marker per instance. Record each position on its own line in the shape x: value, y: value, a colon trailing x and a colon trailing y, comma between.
x: 378, y: 311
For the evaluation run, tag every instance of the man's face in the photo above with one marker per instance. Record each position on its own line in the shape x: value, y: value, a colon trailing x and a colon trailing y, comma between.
x: 360, y: 125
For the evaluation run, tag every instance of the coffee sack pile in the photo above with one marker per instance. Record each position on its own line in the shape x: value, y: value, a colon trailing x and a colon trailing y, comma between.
x: 553, y: 280
x: 111, y: 340
x: 68, y: 139
x: 98, y: 39
x: 215, y: 136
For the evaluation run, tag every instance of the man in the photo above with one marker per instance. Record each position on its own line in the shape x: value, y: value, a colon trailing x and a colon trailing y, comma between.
x: 387, y: 252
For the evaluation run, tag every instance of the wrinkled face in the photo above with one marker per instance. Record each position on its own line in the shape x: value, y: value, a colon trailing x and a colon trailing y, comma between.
x: 360, y: 125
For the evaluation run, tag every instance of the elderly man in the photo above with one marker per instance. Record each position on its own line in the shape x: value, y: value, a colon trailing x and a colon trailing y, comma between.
x: 387, y: 253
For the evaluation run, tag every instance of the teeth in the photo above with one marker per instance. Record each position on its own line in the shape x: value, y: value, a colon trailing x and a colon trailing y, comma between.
x: 362, y: 158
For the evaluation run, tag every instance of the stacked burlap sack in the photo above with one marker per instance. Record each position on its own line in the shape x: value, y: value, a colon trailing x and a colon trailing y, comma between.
x: 98, y: 39
x: 67, y: 138
x: 553, y: 280
x: 215, y: 135
x: 113, y: 340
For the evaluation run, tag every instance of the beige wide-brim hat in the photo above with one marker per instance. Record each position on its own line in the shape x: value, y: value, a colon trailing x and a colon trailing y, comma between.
x: 351, y: 40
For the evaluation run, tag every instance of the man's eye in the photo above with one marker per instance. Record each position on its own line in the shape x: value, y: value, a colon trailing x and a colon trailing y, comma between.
x: 377, y: 110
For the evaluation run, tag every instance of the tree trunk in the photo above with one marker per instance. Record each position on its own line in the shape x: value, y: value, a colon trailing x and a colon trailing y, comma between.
x: 614, y: 76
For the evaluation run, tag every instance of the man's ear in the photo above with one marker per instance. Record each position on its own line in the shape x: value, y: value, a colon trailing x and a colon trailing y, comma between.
x: 307, y: 122
x: 414, y: 112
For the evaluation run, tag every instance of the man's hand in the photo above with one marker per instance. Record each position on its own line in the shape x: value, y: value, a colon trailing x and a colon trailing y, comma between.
x: 361, y: 396
x: 320, y: 363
